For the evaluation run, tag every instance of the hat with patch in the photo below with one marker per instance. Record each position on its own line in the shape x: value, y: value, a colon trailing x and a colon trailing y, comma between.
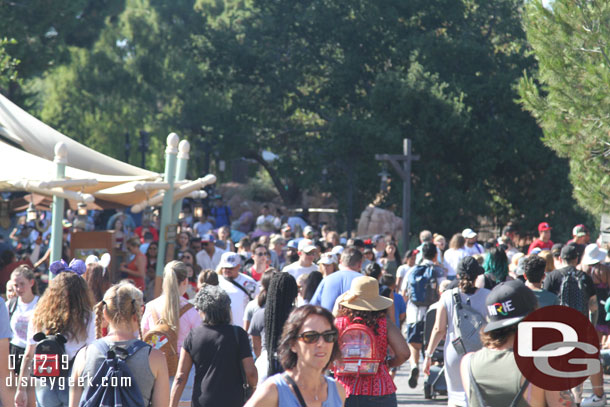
x: 207, y: 238
x: 579, y: 230
x: 508, y: 303
x: 337, y: 250
x: 542, y: 226
x: 229, y: 260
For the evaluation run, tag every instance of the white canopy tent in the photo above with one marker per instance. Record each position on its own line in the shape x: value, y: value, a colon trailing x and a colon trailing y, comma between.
x: 26, y: 170
x: 37, y: 138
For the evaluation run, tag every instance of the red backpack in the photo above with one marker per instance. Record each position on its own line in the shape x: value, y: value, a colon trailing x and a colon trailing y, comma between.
x: 358, y: 350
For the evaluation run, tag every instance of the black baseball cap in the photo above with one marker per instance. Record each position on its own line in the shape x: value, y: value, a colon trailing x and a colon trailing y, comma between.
x: 556, y: 249
x: 469, y: 266
x: 569, y: 252
x: 508, y: 303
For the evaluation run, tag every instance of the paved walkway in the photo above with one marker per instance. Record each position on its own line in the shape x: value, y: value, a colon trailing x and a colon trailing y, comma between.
x: 415, y: 397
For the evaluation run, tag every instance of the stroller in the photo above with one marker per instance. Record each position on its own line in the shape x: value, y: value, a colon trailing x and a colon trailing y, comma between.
x: 435, y: 384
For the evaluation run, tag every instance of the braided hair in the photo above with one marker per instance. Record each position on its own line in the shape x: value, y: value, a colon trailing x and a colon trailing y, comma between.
x: 122, y: 301
x: 280, y: 298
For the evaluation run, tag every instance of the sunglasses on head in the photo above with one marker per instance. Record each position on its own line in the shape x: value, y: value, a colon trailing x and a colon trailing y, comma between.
x: 313, y: 336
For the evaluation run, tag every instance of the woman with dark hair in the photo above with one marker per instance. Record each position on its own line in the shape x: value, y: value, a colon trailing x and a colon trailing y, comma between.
x: 65, y: 308
x: 184, y: 244
x: 307, y: 348
x: 151, y: 271
x: 496, y: 267
x: 362, y: 304
x: 219, y: 351
x: 98, y: 280
x: 311, y: 283
x: 467, y: 272
x: 281, y: 297
x: 390, y: 259
x: 257, y: 304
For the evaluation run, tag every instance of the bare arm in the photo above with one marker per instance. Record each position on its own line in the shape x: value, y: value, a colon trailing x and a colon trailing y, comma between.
x: 265, y: 396
x: 21, y: 396
x: 256, y: 345
x: 184, y: 368
x: 43, y: 259
x: 398, y: 345
x: 593, y: 309
x: 6, y: 393
x: 158, y: 366
x: 76, y: 391
x: 558, y: 398
x: 250, y: 371
x: 438, y: 333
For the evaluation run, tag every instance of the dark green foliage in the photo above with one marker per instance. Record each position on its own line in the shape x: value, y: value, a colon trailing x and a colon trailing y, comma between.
x: 326, y: 85
x: 569, y: 94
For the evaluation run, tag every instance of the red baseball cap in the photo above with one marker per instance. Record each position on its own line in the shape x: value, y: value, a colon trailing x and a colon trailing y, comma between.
x: 544, y: 226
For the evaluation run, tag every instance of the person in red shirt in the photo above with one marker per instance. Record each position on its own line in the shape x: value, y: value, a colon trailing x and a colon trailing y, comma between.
x: 543, y: 241
x: 262, y: 261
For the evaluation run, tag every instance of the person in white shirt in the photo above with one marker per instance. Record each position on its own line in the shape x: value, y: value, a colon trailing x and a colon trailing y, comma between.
x: 471, y: 247
x: 304, y: 265
x: 454, y: 254
x: 202, y: 226
x: 266, y: 221
x: 240, y: 288
x: 379, y: 245
x: 209, y: 256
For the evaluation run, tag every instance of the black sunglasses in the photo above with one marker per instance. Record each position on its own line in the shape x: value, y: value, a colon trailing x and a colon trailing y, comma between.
x: 313, y: 336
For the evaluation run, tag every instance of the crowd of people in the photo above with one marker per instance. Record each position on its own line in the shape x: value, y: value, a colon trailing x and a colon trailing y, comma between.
x: 287, y: 314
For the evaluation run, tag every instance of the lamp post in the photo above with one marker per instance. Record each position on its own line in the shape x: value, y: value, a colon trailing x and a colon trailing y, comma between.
x: 61, y: 159
x: 183, y: 157
x: 171, y: 152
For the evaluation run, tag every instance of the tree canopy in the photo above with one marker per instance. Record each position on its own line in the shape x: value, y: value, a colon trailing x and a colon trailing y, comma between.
x: 326, y: 85
x: 569, y: 94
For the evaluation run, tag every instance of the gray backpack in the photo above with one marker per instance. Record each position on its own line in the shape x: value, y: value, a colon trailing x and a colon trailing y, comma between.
x: 467, y: 323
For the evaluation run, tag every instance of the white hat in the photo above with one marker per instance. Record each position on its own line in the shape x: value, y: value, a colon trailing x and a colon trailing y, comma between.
x: 468, y: 233
x: 337, y: 250
x: 229, y: 260
x: 307, y: 230
x: 91, y: 259
x: 328, y: 258
x: 593, y: 255
x: 306, y: 246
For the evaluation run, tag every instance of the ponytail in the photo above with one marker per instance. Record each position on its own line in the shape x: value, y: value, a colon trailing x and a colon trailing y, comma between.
x: 173, y: 275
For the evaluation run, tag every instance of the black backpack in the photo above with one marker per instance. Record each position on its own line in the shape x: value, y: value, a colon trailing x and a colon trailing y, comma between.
x: 122, y: 391
x: 50, y: 357
x: 571, y: 291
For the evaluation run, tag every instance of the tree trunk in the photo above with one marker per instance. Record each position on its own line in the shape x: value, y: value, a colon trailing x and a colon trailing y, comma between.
x: 290, y: 193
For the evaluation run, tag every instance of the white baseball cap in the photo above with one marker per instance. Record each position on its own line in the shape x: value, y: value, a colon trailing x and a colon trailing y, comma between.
x: 306, y: 246
x: 229, y: 260
x: 469, y: 233
x: 328, y: 258
x: 337, y: 250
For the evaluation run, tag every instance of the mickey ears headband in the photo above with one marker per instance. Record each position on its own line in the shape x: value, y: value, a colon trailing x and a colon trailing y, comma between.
x: 76, y: 266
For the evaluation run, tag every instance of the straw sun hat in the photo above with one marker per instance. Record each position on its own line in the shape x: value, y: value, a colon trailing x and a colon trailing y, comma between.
x: 363, y: 295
